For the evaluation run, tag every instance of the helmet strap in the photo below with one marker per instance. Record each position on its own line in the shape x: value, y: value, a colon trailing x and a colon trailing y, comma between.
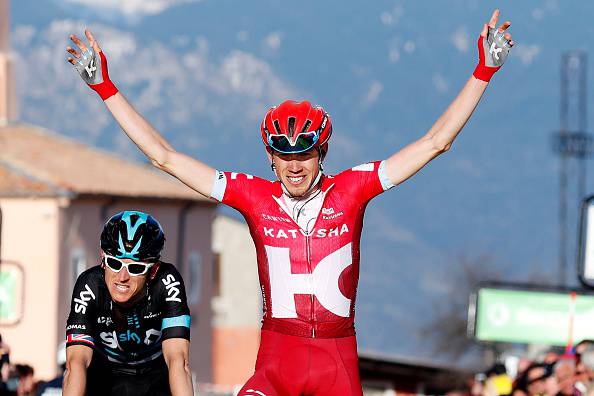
x: 320, y: 161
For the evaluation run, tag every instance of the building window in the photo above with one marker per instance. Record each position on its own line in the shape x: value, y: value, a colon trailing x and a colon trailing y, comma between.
x: 78, y: 263
x: 195, y: 262
x: 216, y: 274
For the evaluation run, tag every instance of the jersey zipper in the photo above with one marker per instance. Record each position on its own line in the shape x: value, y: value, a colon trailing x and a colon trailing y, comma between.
x: 312, y: 311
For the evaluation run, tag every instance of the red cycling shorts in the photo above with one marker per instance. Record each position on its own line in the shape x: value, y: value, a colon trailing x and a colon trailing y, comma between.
x: 299, y: 366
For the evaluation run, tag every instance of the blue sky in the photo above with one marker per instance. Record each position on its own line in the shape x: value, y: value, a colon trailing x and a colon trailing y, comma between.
x: 204, y: 72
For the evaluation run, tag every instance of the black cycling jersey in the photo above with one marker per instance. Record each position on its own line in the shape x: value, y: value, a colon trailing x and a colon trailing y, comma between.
x: 128, y: 337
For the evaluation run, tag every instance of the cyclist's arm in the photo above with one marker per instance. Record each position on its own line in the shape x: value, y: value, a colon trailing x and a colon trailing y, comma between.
x: 78, y: 359
x: 409, y: 160
x: 193, y: 173
x: 176, y: 352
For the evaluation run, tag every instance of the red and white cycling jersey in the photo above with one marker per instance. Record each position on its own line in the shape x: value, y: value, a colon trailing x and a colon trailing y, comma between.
x: 308, y: 279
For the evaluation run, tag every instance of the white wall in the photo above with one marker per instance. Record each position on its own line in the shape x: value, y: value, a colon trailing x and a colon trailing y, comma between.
x: 240, y: 301
x: 30, y: 237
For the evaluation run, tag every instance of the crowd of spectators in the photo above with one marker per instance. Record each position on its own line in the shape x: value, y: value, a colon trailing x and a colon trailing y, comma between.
x: 19, y: 379
x: 567, y: 374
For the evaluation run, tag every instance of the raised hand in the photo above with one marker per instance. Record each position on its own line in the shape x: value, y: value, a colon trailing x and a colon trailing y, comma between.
x: 91, y: 64
x: 493, y: 46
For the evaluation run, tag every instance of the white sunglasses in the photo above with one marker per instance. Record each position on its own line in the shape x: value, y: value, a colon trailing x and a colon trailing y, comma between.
x: 134, y: 268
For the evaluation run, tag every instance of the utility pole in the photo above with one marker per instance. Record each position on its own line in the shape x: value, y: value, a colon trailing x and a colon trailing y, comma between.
x: 571, y: 141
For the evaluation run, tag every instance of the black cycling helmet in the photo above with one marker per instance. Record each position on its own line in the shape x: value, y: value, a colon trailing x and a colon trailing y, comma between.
x: 133, y: 235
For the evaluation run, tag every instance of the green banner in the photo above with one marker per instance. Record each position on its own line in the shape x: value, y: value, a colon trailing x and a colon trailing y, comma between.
x: 533, y: 316
x: 10, y: 293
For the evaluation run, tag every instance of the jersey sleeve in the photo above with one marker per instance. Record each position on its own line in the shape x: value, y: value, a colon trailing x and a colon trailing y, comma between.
x: 171, y: 293
x: 83, y: 312
x: 366, y: 181
x: 239, y: 190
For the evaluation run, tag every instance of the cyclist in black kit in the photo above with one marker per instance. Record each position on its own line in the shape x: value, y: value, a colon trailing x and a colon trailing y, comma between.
x: 128, y: 332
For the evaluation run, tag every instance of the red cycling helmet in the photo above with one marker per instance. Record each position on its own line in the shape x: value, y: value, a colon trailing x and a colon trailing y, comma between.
x: 295, y: 127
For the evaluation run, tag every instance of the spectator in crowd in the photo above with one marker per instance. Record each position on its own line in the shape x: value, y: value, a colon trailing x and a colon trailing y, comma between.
x: 584, y: 369
x: 21, y: 381
x: 4, y: 365
x: 54, y: 386
x: 565, y: 375
x: 537, y: 379
x: 498, y: 382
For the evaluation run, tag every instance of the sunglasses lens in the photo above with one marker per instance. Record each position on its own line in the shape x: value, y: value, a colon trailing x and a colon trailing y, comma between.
x: 136, y: 269
x: 113, y: 263
x: 280, y: 143
x: 304, y: 142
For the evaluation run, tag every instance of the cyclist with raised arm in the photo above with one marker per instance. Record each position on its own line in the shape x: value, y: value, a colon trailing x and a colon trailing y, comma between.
x: 128, y: 332
x: 306, y: 225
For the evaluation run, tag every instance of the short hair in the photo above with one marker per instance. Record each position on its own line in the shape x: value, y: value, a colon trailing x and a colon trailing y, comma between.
x: 583, y: 343
x: 523, y: 381
x: 23, y: 370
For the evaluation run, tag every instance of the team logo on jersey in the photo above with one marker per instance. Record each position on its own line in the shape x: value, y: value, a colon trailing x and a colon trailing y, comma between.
x: 129, y: 336
x: 276, y: 218
x: 329, y: 214
x: 316, y: 233
x: 151, y: 315
x: 113, y: 339
x: 106, y: 320
x: 171, y: 287
x: 151, y: 336
x: 82, y: 301
x: 76, y: 326
x: 322, y: 282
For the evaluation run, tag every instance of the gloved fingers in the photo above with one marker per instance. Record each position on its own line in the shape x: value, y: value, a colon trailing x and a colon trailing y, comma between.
x: 73, y: 52
x: 509, y: 42
x: 504, y: 26
x: 484, y: 31
x: 92, y: 40
x: 78, y: 42
x: 494, y: 18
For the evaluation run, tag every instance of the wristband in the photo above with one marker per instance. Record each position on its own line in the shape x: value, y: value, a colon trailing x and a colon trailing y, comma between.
x: 105, y: 89
x: 493, y: 50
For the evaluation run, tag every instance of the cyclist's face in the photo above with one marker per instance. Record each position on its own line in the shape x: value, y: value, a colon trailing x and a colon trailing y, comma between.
x: 296, y: 171
x: 122, y: 287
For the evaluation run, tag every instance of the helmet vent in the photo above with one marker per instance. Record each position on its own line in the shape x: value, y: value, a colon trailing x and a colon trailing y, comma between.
x: 306, y: 126
x: 291, y: 127
x: 277, y: 127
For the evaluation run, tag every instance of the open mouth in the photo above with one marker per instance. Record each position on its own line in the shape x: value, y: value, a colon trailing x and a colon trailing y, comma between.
x: 122, y: 288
